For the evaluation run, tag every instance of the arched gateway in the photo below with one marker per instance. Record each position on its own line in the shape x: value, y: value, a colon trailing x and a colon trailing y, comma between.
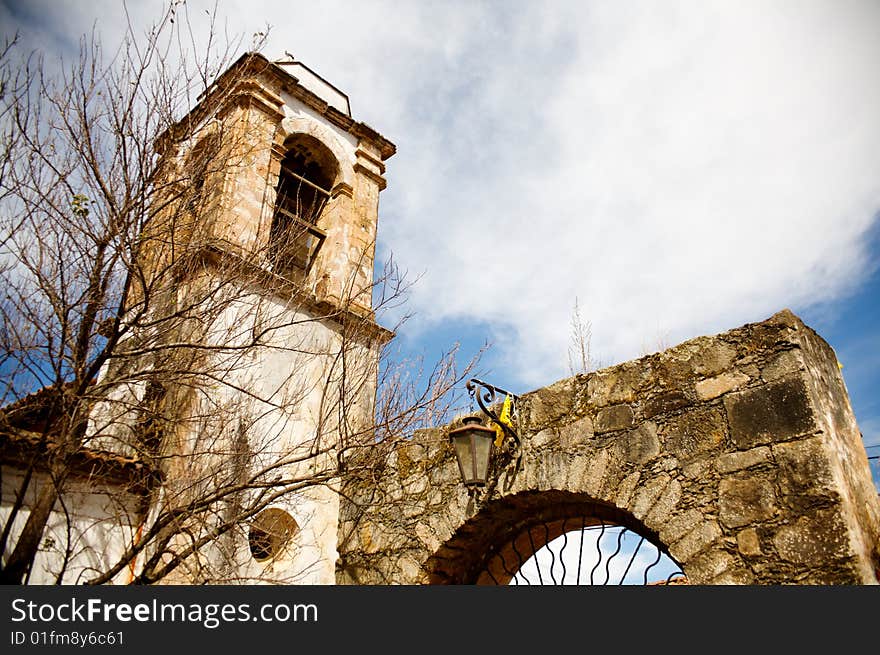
x: 736, y: 457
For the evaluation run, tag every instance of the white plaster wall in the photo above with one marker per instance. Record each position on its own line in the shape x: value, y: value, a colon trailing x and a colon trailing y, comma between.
x: 289, y: 391
x: 111, y: 421
x: 98, y: 523
x: 314, y: 83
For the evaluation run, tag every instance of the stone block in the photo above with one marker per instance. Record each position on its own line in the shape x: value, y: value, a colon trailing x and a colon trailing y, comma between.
x: 695, y: 541
x: 783, y: 364
x: 665, y: 505
x: 414, y: 508
x: 665, y: 403
x: 647, y: 495
x: 711, y: 564
x: 427, y: 537
x: 576, y: 433
x: 745, y: 500
x: 577, y: 469
x: 544, y: 437
x: 672, y: 369
x: 735, y: 576
x: 803, y: 470
x: 698, y: 469
x: 367, y: 537
x: 615, y: 385
x: 712, y: 356
x: 415, y: 485
x: 694, y: 433
x: 617, y: 417
x: 815, y: 539
x: 550, y: 404
x: 594, y: 473
x: 786, y: 318
x: 774, y: 412
x: 720, y: 384
x: 553, y: 470
x: 626, y: 488
x: 669, y: 464
x: 748, y: 543
x: 738, y: 461
x: 641, y: 445
x: 442, y: 524
x: 680, y: 525
x: 410, y: 570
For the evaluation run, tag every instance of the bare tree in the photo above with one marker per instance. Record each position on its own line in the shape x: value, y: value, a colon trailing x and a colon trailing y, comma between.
x: 136, y: 342
x: 660, y: 343
x: 580, y: 349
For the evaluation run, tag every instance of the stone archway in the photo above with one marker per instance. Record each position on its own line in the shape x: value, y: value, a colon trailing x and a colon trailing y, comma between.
x: 492, y: 546
x: 739, y: 453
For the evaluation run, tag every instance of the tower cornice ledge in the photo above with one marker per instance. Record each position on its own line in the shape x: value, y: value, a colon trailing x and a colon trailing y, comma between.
x: 348, y: 315
x: 241, y: 80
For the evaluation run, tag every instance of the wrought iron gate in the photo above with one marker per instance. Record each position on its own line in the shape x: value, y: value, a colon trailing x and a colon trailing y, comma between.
x: 580, y: 551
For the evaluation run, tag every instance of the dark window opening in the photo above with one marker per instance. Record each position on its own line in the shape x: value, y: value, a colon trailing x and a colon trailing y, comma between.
x: 307, y: 175
x: 261, y: 544
x: 271, y: 533
x: 198, y: 171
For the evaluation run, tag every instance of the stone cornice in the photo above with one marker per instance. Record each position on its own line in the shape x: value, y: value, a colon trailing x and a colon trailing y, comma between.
x: 363, y: 154
x: 240, y: 82
x: 373, y: 175
x: 361, y: 130
x: 252, y: 94
x: 346, y: 315
x: 236, y: 85
x: 342, y: 189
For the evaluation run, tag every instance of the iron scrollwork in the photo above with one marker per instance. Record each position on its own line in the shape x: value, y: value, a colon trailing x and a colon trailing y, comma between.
x: 485, y: 394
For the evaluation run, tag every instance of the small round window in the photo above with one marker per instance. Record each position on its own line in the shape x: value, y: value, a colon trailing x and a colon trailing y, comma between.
x: 271, y: 532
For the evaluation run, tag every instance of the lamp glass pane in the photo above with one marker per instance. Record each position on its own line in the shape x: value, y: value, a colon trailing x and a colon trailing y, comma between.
x: 462, y: 444
x: 482, y: 449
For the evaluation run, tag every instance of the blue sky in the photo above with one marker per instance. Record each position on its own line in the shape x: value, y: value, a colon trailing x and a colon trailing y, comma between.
x: 675, y: 168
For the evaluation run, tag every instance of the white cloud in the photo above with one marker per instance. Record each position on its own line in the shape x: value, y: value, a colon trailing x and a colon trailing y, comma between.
x: 681, y: 171
x: 680, y: 168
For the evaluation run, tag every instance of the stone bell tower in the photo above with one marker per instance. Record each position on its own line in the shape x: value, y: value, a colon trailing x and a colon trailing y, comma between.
x: 268, y: 240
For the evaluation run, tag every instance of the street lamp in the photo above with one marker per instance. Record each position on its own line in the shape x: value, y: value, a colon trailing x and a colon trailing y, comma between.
x: 473, y: 449
x: 472, y: 441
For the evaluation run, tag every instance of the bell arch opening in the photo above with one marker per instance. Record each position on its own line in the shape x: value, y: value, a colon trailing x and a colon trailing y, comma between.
x: 308, y: 173
x: 553, y: 537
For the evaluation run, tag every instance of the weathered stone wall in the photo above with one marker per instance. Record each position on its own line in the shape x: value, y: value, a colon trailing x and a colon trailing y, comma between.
x: 739, y: 453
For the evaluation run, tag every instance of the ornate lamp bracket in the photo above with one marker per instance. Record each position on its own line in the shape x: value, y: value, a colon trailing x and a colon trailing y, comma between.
x: 485, y: 394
